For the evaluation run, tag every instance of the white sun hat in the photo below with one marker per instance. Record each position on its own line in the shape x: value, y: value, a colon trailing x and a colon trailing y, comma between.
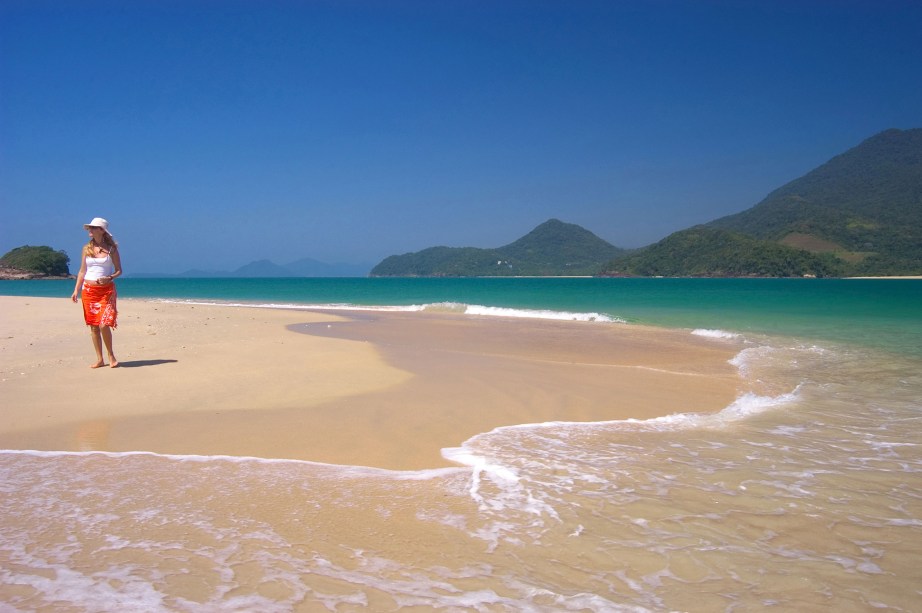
x: 98, y: 222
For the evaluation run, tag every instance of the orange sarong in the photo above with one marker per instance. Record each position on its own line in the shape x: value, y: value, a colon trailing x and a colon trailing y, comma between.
x: 99, y: 305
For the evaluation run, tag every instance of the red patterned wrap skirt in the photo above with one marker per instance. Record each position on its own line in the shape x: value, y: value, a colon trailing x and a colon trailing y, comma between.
x: 99, y: 305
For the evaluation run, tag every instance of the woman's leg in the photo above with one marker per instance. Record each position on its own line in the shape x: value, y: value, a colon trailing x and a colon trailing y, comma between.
x: 107, y: 339
x: 97, y: 346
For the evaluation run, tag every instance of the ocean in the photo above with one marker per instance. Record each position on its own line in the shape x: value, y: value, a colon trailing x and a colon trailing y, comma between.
x: 804, y: 494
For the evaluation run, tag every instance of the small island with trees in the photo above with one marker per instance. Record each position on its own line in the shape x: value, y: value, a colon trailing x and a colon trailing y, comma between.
x: 28, y: 262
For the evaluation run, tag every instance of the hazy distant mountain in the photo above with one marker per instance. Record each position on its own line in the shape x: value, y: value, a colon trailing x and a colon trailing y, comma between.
x: 266, y: 269
x: 193, y: 273
x: 553, y: 248
x: 262, y: 268
x: 858, y: 214
x: 307, y: 267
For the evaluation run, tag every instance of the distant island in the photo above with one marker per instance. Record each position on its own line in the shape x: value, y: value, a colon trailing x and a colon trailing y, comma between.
x: 860, y: 214
x: 29, y: 262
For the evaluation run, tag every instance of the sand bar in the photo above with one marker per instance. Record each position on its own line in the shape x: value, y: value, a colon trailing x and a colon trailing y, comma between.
x: 375, y: 389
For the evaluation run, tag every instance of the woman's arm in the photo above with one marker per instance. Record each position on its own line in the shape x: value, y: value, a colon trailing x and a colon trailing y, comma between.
x: 80, y: 275
x: 116, y: 263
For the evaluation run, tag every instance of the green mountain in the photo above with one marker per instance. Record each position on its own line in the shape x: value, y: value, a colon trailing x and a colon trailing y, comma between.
x: 864, y: 206
x: 554, y: 248
x: 858, y: 214
x: 710, y: 252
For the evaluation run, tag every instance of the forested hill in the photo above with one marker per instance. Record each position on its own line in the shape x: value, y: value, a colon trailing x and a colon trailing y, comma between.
x: 554, y: 248
x: 29, y: 262
x: 858, y: 214
x: 864, y: 206
x: 711, y: 252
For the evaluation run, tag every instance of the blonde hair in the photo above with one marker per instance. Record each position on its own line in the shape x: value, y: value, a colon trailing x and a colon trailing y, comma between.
x: 108, y: 243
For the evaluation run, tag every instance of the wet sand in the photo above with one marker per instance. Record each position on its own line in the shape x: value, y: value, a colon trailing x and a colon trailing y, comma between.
x: 387, y: 390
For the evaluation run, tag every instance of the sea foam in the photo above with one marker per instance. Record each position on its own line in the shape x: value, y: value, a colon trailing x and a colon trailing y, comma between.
x: 292, y: 306
x: 715, y: 333
x: 339, y: 469
x: 476, y: 309
x: 434, y: 307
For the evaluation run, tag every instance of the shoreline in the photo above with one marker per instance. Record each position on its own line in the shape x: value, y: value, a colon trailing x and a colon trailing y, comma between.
x: 910, y: 277
x: 386, y: 390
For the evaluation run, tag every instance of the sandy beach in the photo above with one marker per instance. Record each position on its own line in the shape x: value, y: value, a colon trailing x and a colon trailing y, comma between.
x: 386, y: 390
x: 803, y: 494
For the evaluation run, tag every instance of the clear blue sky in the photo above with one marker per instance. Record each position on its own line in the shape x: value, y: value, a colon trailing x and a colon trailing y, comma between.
x: 215, y: 133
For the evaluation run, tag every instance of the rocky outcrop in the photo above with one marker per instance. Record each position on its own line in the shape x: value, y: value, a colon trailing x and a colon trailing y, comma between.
x: 8, y: 273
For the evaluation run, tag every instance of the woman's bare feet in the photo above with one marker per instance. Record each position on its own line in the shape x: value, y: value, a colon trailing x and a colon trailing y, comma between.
x: 113, y: 363
x: 98, y: 364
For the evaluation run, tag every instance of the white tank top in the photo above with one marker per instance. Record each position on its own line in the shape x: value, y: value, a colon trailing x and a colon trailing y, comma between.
x: 99, y: 267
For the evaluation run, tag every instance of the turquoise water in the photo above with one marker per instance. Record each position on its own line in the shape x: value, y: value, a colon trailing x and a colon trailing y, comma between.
x: 881, y: 313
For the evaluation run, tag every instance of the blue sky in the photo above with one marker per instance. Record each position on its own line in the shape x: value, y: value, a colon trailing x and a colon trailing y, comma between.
x: 214, y: 133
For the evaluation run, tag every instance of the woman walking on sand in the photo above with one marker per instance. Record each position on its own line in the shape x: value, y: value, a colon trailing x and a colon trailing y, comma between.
x: 100, y: 265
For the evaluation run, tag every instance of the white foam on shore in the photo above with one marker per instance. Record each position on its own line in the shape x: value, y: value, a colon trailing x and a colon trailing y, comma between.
x: 291, y: 306
x: 499, y: 491
x: 505, y: 478
x: 744, y: 406
x: 476, y: 309
x: 722, y: 334
x: 342, y: 470
x: 498, y: 487
x: 435, y: 307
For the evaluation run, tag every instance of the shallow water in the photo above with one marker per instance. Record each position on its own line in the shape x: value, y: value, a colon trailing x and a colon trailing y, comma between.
x: 881, y: 313
x: 805, y: 494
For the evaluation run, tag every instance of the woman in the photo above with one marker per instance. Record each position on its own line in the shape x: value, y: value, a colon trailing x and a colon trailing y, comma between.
x: 99, y: 268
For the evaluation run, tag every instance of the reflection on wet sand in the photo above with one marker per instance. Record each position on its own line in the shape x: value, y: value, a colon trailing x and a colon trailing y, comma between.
x: 93, y: 435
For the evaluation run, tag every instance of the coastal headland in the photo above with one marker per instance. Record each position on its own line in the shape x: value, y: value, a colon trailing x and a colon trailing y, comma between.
x: 379, y: 389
